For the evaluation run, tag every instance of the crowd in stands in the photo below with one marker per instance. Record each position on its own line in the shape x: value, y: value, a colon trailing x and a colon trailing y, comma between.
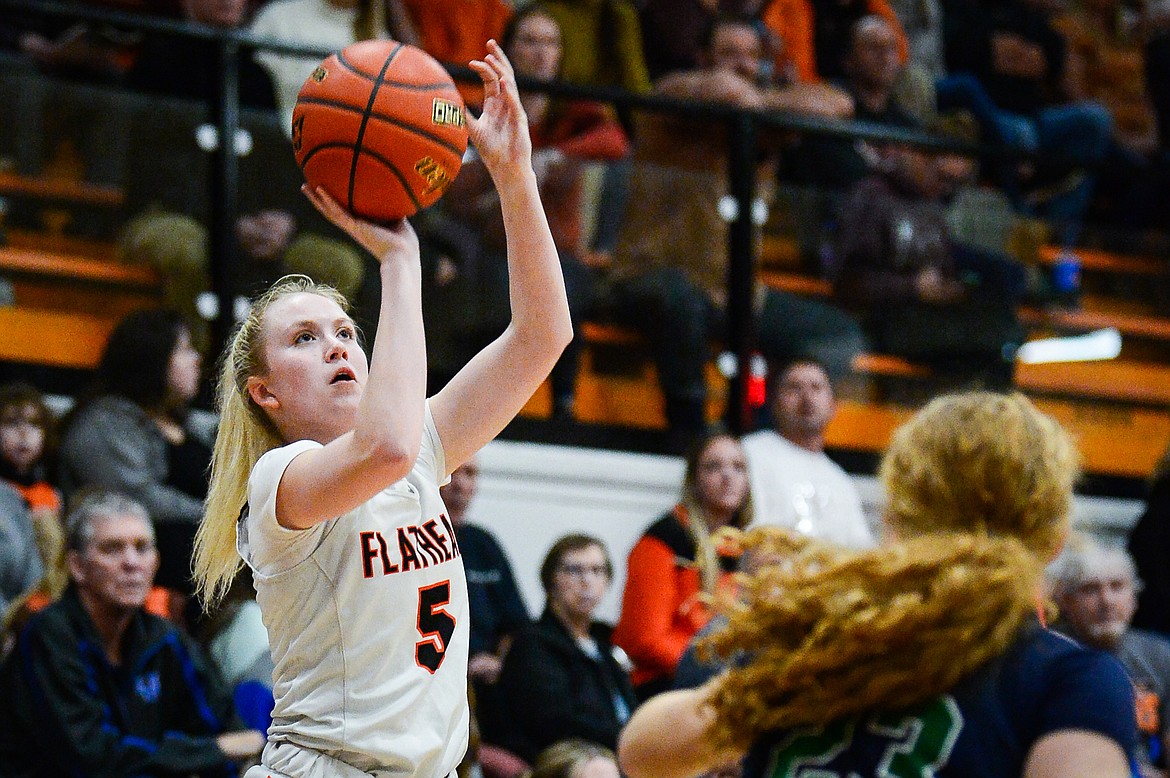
x: 634, y: 195
x: 99, y: 636
x: 109, y: 662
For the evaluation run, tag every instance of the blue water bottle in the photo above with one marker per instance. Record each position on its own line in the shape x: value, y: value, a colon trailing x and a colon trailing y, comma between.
x: 1066, y: 278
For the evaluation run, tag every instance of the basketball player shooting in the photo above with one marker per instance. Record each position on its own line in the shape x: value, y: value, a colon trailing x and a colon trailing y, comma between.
x: 325, y: 481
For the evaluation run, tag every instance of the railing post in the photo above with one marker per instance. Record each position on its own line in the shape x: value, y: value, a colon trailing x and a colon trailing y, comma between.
x: 224, y: 186
x: 741, y: 247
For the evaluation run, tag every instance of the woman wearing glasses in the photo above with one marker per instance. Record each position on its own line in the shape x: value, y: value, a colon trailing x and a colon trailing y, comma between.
x: 561, y: 678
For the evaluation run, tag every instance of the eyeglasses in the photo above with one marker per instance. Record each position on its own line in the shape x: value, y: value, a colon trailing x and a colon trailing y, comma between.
x: 580, y: 571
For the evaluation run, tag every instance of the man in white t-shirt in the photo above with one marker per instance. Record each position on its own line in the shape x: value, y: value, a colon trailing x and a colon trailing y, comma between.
x: 793, y: 483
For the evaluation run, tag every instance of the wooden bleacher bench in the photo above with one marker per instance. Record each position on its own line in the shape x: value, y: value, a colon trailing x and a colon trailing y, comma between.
x: 1125, y: 442
x: 53, y: 338
x: 62, y: 244
x: 61, y: 190
x: 1115, y: 380
x: 66, y: 282
x: 23, y: 261
x: 1083, y: 320
x: 1137, y: 325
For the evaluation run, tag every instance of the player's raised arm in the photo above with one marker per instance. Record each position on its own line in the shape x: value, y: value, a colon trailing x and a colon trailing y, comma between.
x: 492, y: 388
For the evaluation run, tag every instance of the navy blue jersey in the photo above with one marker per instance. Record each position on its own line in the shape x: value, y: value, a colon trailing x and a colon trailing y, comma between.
x: 984, y: 728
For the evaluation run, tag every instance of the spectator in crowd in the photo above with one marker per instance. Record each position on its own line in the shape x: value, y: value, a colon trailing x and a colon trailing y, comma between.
x: 1006, y: 62
x: 184, y: 66
x: 566, y: 135
x: 134, y: 434
x: 602, y: 43
x: 50, y: 126
x: 561, y: 678
x: 20, y: 563
x: 26, y: 435
x: 1149, y: 543
x: 327, y: 24
x: 673, y: 30
x: 669, y: 276
x: 793, y: 483
x: 872, y: 69
x: 921, y: 295
x: 456, y: 32
x: 677, y: 561
x: 575, y: 759
x: 1107, y: 64
x: 925, y: 653
x: 1095, y: 589
x: 922, y: 21
x: 816, y: 34
x: 167, y: 213
x: 27, y: 438
x: 98, y: 686
x: 497, y: 610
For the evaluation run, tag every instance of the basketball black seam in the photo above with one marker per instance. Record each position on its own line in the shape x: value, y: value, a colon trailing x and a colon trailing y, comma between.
x: 402, y: 84
x: 388, y: 119
x: 357, y: 144
x: 393, y: 168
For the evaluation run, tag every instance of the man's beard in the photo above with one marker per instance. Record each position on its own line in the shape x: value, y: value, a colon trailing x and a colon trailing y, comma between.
x: 1106, y: 634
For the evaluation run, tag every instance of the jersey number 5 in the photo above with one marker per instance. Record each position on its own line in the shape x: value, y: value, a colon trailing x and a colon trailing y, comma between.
x: 434, y: 624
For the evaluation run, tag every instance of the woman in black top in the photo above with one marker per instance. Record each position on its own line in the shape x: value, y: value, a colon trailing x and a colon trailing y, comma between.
x: 561, y: 678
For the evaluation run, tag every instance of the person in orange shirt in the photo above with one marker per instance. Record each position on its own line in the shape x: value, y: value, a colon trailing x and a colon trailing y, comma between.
x: 676, y: 561
x: 456, y: 31
x: 815, y: 34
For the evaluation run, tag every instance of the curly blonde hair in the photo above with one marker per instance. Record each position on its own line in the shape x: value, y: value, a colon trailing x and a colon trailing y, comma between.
x: 980, y: 488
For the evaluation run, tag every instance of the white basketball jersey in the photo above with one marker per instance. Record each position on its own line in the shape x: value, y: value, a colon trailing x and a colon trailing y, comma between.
x: 367, y: 620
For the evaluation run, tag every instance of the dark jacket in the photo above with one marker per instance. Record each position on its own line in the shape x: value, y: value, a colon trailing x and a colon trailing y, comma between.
x: 495, y: 604
x: 67, y: 711
x: 1149, y: 544
x: 888, y: 234
x: 969, y: 28
x: 553, y: 690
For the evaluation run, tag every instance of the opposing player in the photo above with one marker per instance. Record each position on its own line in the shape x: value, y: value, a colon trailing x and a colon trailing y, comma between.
x: 921, y: 658
x: 336, y: 463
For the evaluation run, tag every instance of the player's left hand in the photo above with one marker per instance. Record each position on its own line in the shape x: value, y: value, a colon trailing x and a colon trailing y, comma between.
x: 383, y: 241
x: 500, y: 134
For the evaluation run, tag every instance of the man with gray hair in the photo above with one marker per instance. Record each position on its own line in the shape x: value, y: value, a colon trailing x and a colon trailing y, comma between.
x: 1095, y: 588
x: 96, y: 685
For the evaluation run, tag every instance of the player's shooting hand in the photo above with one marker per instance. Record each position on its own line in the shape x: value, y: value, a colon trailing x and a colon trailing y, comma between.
x: 383, y: 241
x: 500, y: 134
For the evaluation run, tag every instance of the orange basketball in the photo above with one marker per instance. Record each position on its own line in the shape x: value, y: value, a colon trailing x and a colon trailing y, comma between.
x: 380, y: 127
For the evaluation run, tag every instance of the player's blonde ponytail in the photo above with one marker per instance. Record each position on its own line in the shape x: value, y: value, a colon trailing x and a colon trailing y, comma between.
x: 244, y: 435
x: 979, y: 490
